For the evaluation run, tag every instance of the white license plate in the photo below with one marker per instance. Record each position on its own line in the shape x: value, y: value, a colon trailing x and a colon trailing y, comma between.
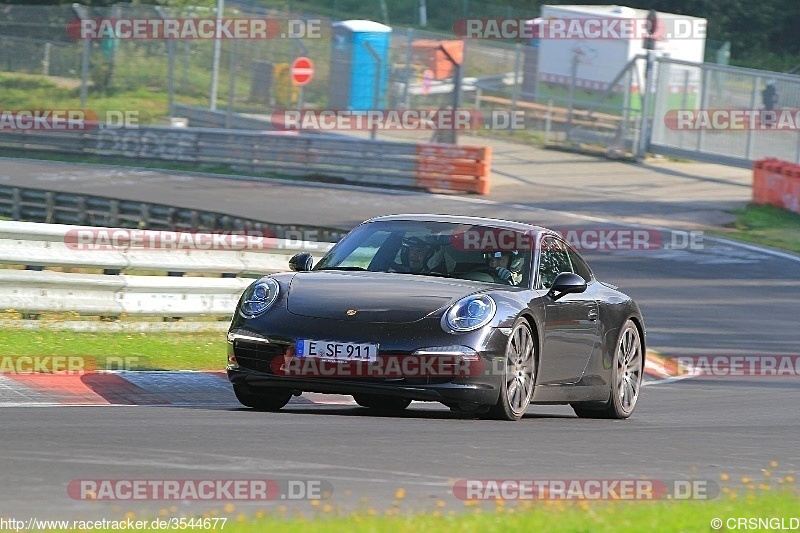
x: 337, y: 351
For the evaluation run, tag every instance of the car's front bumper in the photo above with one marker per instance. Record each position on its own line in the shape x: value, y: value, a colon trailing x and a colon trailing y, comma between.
x: 478, y: 393
x: 257, y: 359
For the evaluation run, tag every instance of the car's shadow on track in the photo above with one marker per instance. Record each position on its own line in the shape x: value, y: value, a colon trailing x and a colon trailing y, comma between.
x: 363, y: 412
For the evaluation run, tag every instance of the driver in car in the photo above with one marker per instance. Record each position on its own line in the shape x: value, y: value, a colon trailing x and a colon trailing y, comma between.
x: 503, y: 266
x: 417, y: 256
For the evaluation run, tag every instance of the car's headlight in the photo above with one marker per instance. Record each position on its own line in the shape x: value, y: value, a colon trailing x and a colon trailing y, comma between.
x: 470, y: 313
x: 259, y: 297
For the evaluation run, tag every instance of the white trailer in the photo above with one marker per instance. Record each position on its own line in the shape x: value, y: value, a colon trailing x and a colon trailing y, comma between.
x: 601, y: 40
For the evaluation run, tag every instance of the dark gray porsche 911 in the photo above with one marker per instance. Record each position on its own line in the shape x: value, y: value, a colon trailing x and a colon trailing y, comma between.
x: 482, y: 315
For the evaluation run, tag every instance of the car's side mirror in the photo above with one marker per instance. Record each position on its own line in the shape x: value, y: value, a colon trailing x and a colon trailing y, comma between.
x: 301, y: 262
x: 566, y: 283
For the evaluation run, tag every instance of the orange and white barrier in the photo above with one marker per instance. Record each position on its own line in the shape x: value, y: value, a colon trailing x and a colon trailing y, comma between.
x: 452, y: 167
x: 777, y: 183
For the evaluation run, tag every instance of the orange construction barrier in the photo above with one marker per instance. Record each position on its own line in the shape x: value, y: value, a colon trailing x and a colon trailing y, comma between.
x: 454, y: 168
x: 428, y: 53
x: 774, y: 181
x: 791, y: 194
x: 759, y: 180
x: 777, y: 183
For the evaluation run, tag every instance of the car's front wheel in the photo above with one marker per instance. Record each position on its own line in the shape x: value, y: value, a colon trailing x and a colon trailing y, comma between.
x: 626, y: 378
x: 519, y: 374
x: 263, y: 399
x: 381, y: 403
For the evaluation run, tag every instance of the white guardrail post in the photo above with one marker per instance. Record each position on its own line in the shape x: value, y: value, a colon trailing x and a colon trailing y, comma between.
x: 32, y: 244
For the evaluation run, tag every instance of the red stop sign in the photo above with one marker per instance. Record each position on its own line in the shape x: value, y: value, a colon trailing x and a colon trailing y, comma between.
x: 302, y: 70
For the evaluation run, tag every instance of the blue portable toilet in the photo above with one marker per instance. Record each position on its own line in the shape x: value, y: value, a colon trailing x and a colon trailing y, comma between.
x: 356, y: 75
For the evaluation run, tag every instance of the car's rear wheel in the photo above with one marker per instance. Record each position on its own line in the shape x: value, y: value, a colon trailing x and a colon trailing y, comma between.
x: 262, y: 399
x: 626, y: 378
x: 381, y: 403
x: 519, y: 374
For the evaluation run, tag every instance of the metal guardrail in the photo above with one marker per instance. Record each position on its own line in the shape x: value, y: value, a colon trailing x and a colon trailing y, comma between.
x: 51, y: 207
x: 205, y: 118
x: 95, y: 294
x: 50, y: 245
x: 344, y: 159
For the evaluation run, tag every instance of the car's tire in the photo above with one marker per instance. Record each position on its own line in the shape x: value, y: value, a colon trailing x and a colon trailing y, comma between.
x: 626, y: 378
x: 264, y: 399
x: 381, y: 403
x: 519, y: 374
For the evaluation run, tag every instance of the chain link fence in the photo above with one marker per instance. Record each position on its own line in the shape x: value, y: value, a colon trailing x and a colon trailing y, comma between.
x: 44, y: 66
x: 729, y: 114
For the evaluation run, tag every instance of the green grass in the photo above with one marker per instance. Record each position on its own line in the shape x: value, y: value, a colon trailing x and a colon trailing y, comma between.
x: 142, y: 350
x: 24, y: 91
x: 577, y: 517
x: 611, y: 517
x: 767, y: 225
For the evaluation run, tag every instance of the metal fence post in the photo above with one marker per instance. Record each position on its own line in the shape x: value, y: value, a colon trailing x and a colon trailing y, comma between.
x: 517, y: 67
x: 46, y: 60
x: 83, y: 14
x: 170, y: 65
x: 703, y: 105
x: 753, y: 100
x: 407, y: 81
x: 684, y: 100
x: 217, y: 52
x: 644, y: 137
x: 16, y: 204
x: 572, y: 81
x: 376, y: 98
x: 231, y: 85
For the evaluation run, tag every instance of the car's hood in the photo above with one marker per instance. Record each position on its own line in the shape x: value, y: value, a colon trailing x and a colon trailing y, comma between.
x: 374, y: 296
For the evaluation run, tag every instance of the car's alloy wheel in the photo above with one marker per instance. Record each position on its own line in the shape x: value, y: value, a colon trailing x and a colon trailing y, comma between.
x: 626, y: 379
x: 519, y: 374
x: 381, y: 403
x: 262, y: 400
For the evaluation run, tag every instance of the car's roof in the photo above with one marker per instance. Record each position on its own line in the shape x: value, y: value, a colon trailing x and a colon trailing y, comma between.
x: 455, y: 219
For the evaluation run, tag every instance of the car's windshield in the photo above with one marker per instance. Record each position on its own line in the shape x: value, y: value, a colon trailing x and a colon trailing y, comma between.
x: 439, y: 249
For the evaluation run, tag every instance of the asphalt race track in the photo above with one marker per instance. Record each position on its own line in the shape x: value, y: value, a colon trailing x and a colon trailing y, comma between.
x: 723, y: 298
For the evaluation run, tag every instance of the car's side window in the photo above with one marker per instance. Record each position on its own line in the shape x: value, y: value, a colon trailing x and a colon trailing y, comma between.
x: 553, y: 259
x: 579, y: 266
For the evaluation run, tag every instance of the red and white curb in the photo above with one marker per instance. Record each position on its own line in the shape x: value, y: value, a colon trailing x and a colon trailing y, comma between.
x: 181, y: 388
x: 659, y: 369
x: 152, y: 388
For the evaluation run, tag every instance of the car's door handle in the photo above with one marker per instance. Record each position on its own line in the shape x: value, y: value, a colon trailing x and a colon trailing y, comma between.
x: 592, y: 315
